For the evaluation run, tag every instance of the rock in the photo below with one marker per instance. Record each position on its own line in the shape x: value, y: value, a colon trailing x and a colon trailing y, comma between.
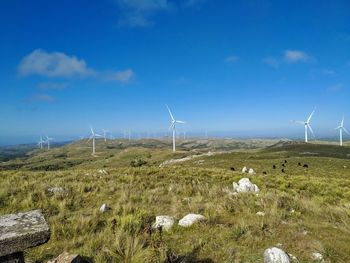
x: 21, y: 231
x: 316, y: 256
x: 102, y: 171
x: 293, y: 258
x: 68, y: 258
x: 244, y: 170
x: 57, y: 190
x: 275, y: 255
x: 104, y: 208
x: 244, y: 185
x: 166, y: 222
x: 251, y: 171
x: 260, y: 213
x: 190, y: 219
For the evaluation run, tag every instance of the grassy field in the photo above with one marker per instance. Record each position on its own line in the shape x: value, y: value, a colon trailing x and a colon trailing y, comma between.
x: 306, y: 209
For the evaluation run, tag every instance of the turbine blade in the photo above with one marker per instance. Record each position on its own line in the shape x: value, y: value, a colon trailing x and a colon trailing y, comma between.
x: 309, y: 119
x: 346, y: 130
x: 180, y: 122
x: 171, y: 115
x: 311, y: 130
x: 298, y: 122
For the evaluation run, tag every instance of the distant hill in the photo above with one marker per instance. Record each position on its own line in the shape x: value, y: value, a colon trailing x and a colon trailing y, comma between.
x: 310, y: 149
x: 121, y: 153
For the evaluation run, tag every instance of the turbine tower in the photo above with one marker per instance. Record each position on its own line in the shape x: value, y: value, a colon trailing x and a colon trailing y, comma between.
x: 48, y: 139
x: 341, y: 128
x: 105, y: 134
x: 307, y: 125
x: 93, y: 137
x: 41, y: 142
x: 173, y: 127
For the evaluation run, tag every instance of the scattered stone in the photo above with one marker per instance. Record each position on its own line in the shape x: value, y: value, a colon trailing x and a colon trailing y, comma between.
x: 102, y: 171
x: 165, y: 222
x: 305, y: 232
x: 251, y: 171
x: 104, y: 208
x: 57, y: 190
x: 260, y: 213
x: 293, y: 258
x: 68, y: 258
x: 316, y: 256
x: 244, y: 185
x: 21, y: 231
x: 275, y: 255
x: 244, y: 170
x: 190, y: 219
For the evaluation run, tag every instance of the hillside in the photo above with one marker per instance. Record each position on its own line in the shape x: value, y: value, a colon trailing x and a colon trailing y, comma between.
x: 303, y: 210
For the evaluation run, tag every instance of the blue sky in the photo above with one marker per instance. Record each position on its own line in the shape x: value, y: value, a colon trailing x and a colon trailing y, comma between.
x: 244, y: 68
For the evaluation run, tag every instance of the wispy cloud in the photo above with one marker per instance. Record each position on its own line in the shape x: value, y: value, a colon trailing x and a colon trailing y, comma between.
x: 139, y: 13
x: 192, y: 3
x: 293, y: 56
x: 231, y: 58
x: 271, y: 61
x: 54, y: 64
x: 59, y: 65
x: 336, y: 88
x: 41, y: 98
x: 290, y: 57
x: 123, y: 76
x: 52, y: 85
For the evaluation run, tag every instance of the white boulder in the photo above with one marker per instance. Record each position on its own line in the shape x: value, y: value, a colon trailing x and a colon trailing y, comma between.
x: 57, y: 190
x: 275, y: 255
x: 244, y: 185
x: 190, y: 219
x: 316, y: 256
x: 260, y: 213
x: 251, y: 171
x: 244, y: 170
x: 165, y: 222
x: 104, y: 208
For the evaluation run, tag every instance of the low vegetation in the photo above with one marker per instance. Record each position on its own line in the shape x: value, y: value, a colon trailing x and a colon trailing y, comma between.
x: 306, y: 209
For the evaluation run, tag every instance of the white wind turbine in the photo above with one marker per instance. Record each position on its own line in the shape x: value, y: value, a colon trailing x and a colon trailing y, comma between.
x: 307, y: 125
x: 48, y: 139
x: 341, y: 128
x: 41, y: 142
x: 173, y: 126
x: 105, y: 134
x: 93, y: 137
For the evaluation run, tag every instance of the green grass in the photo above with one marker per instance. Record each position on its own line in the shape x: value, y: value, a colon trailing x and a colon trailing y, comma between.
x: 232, y: 232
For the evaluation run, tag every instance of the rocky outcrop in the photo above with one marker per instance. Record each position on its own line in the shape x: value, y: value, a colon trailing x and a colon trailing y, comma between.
x: 275, y: 255
x: 21, y: 231
x: 165, y: 222
x: 244, y: 185
x: 190, y: 219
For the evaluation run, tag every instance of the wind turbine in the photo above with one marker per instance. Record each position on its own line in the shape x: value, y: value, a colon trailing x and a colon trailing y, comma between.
x: 48, y: 139
x: 93, y: 137
x: 341, y: 128
x: 173, y: 126
x: 105, y: 134
x: 41, y: 142
x: 307, y: 125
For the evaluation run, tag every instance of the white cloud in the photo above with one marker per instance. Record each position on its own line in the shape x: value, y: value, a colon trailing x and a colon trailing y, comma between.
x: 123, y: 76
x: 271, y: 61
x: 52, y: 85
x: 232, y: 58
x: 41, y: 98
x: 59, y: 65
x: 54, y: 64
x: 293, y: 56
x: 192, y: 3
x: 335, y: 88
x: 138, y: 13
